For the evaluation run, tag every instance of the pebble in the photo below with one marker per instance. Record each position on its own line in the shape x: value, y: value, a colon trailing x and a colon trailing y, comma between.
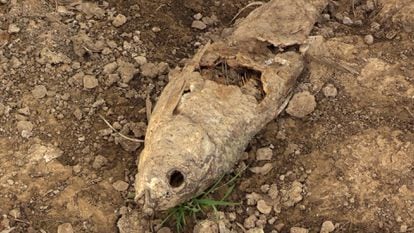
x: 3, y: 1
x: 77, y: 113
x: 127, y: 71
x: 110, y: 68
x: 301, y: 104
x: 330, y: 91
x: 327, y: 227
x: 298, y: 230
x: 15, y: 213
x: 119, y: 20
x: 120, y: 186
x: 39, y: 91
x: 24, y: 126
x: 206, y: 226
x: 263, y: 207
x: 273, y: 191
x: 264, y: 154
x: 198, y: 16
x: 197, y: 24
x: 403, y: 228
x: 112, y: 78
x: 255, y: 230
x: 294, y: 194
x: 156, y: 29
x: 263, y: 169
x: 250, y: 221
x: 369, y: 39
x: 90, y: 82
x: 25, y: 111
x: 65, y: 228
x: 347, y: 21
x: 13, y: 28
x: 140, y: 60
x: 99, y: 162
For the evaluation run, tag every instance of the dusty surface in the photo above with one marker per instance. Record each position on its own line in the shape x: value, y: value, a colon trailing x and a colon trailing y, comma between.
x: 349, y: 161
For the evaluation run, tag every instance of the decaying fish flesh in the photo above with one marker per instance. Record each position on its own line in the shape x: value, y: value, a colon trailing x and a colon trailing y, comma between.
x: 210, y: 109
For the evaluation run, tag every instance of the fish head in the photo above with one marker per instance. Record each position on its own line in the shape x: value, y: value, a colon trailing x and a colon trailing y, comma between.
x: 175, y: 164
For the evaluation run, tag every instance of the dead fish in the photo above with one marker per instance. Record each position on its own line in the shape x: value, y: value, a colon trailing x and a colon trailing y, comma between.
x: 210, y: 110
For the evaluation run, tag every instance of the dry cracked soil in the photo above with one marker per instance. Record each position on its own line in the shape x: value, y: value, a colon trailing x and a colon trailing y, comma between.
x: 339, y: 159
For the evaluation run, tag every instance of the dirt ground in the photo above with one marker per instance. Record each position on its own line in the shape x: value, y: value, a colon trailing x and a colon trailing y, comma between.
x: 348, y: 166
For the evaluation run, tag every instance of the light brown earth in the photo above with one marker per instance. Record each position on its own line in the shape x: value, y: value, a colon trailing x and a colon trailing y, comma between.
x: 350, y: 161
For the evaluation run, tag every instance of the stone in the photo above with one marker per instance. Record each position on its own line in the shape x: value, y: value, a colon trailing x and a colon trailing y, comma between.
x: 263, y: 169
x: 250, y: 221
x: 330, y: 91
x: 198, y: 16
x: 140, y: 60
x: 119, y: 20
x: 197, y: 24
x: 263, y: 207
x: 90, y: 82
x: 24, y: 125
x: 65, y: 228
x: 298, y: 230
x: 39, y: 91
x: 347, y: 21
x: 15, y: 213
x: 206, y: 226
x: 327, y: 227
x: 369, y: 39
x: 264, y: 154
x: 120, y: 186
x: 294, y: 194
x: 301, y: 104
x: 13, y: 28
x: 24, y: 111
x: 99, y: 162
x: 149, y: 70
x: 110, y: 68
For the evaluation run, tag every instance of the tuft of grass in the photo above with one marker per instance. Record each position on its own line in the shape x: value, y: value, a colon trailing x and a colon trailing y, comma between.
x: 198, y: 205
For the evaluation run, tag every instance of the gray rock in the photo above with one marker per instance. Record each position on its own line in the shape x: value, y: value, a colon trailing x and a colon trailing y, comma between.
x: 140, y: 60
x: 369, y: 39
x: 90, y: 82
x: 330, y: 91
x: 347, y: 21
x: 120, y: 186
x: 200, y: 25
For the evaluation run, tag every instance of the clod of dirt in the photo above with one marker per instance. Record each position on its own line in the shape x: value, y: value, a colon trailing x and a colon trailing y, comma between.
x: 119, y: 20
x: 126, y: 70
x: 65, y: 228
x: 120, y: 186
x: 369, y: 39
x: 200, y: 25
x: 110, y: 68
x: 39, y: 91
x: 327, y: 227
x: 25, y: 128
x: 24, y: 111
x: 250, y: 221
x: 263, y: 207
x: 330, y: 90
x: 264, y: 154
x: 15, y: 213
x: 99, y: 162
x: 298, y: 230
x: 263, y: 170
x: 273, y: 191
x: 152, y: 70
x: 44, y: 152
x: 301, y: 104
x: 293, y: 195
x: 90, y: 82
x: 133, y: 222
x: 206, y: 226
x: 140, y: 60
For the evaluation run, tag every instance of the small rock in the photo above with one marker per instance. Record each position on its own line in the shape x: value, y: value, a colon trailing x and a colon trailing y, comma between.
x: 198, y: 16
x: 24, y: 125
x: 39, y: 91
x: 369, y: 39
x: 347, y: 21
x: 13, y: 28
x: 301, y: 104
x: 99, y: 162
x: 90, y: 82
x: 110, y: 68
x: 250, y: 221
x: 206, y: 226
x: 273, y: 191
x: 112, y: 78
x: 264, y: 154
x: 128, y: 145
x: 65, y: 228
x: 77, y: 169
x: 140, y: 60
x: 263, y: 207
x: 15, y: 213
x: 3, y: 1
x: 262, y: 170
x: 120, y: 186
x: 149, y: 70
x: 255, y: 230
x: 294, y: 194
x: 77, y: 113
x: 119, y: 20
x: 156, y: 29
x: 403, y: 228
x: 197, y: 24
x: 164, y: 230
x: 298, y: 230
x: 327, y: 227
x: 330, y: 90
x: 25, y: 111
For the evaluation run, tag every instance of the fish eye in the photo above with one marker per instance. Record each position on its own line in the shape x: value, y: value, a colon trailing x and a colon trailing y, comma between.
x: 176, y: 179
